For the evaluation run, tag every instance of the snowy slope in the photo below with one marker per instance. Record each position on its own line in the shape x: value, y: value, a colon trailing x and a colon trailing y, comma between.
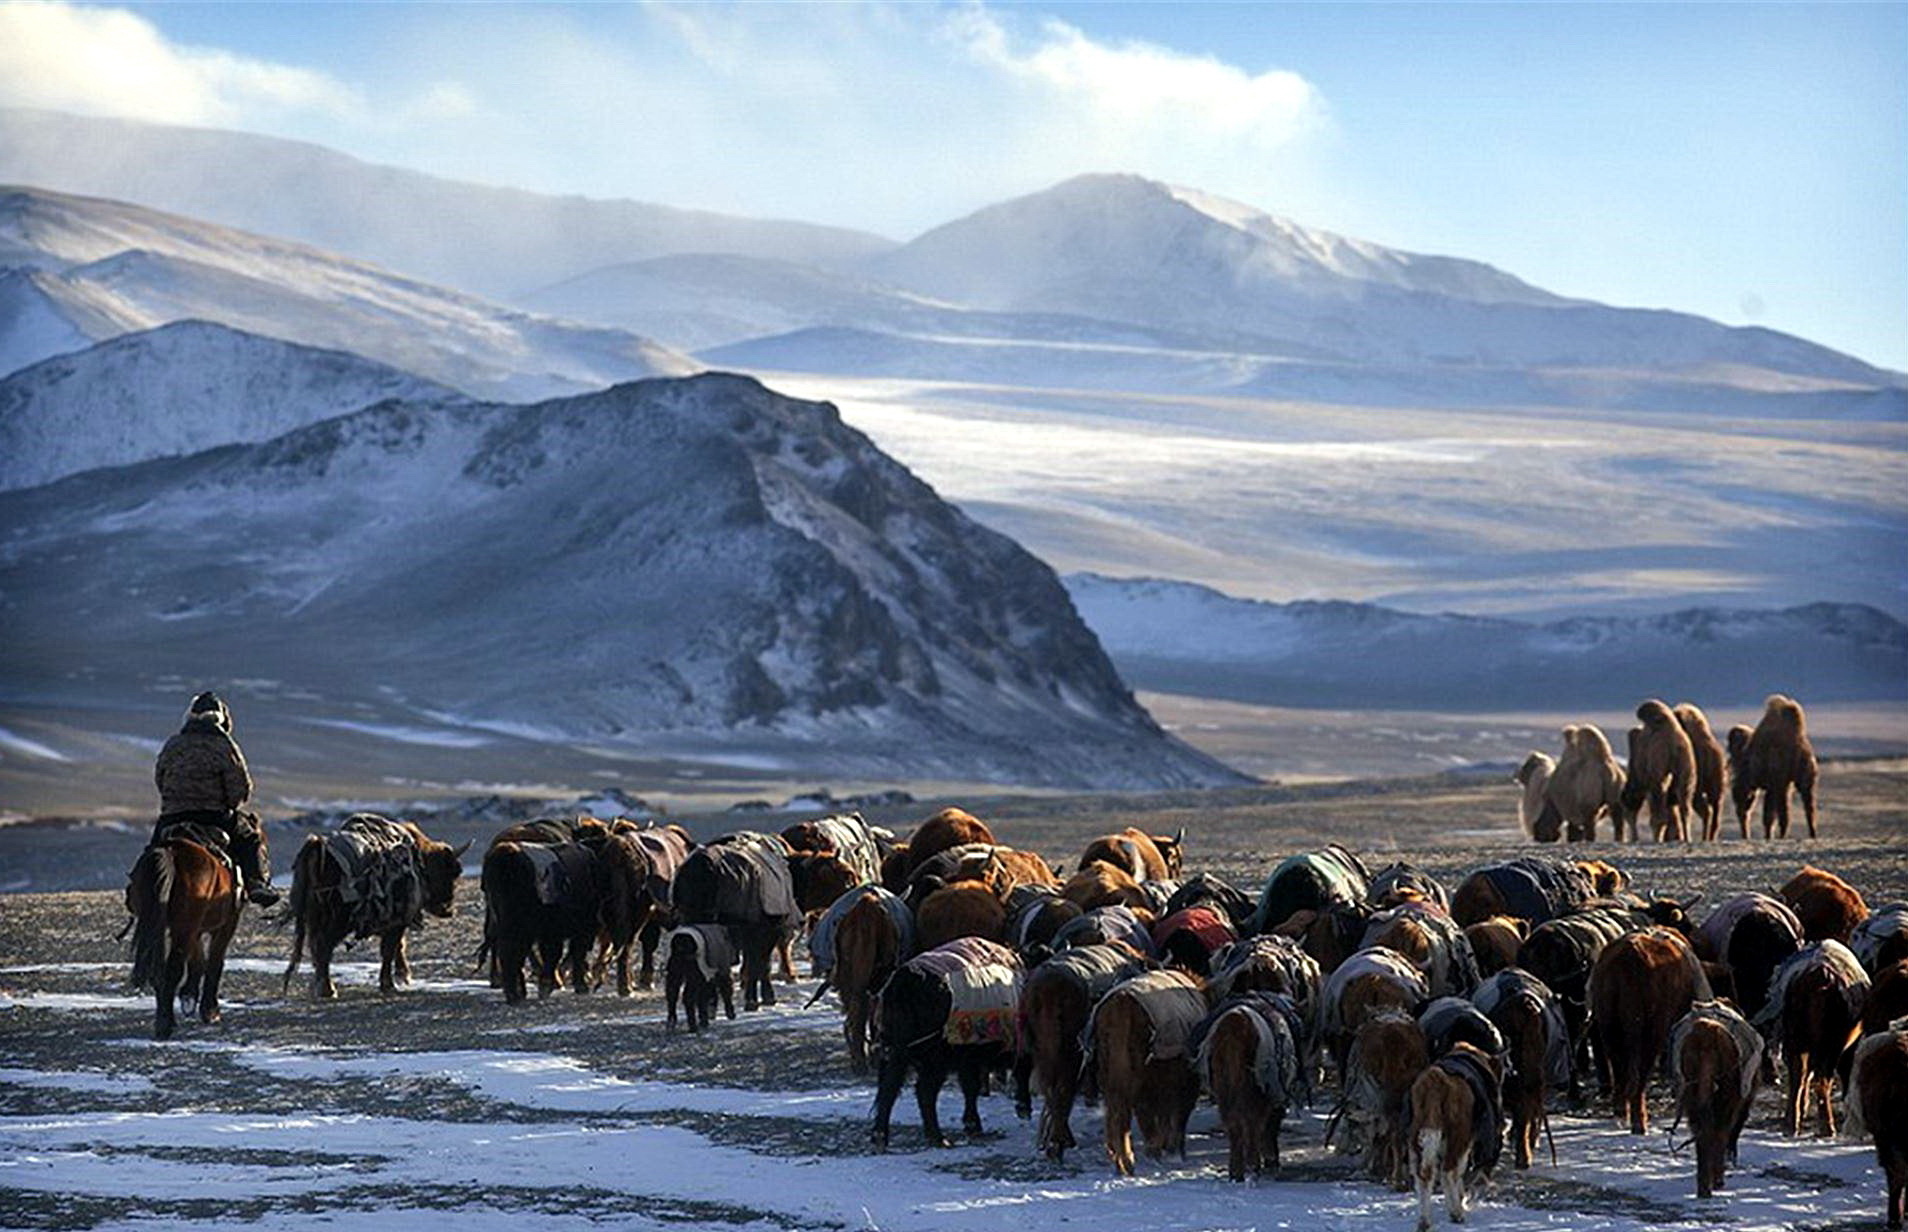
x: 1181, y: 638
x: 697, y: 566
x: 152, y: 268
x: 1150, y: 367
x: 176, y: 390
x: 1131, y: 249
x: 698, y: 301
x: 479, y: 238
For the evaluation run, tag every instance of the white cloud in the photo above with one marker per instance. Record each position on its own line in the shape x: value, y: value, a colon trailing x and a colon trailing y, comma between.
x: 110, y: 61
x: 887, y: 116
x: 1163, y: 92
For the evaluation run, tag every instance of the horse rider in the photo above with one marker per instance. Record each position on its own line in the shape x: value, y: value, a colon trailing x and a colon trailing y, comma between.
x: 202, y: 777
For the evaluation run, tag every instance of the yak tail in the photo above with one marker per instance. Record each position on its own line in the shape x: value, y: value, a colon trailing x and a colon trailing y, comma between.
x: 304, y: 870
x: 152, y: 881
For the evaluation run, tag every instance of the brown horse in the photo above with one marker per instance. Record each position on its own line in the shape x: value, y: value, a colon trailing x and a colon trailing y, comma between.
x: 185, y: 907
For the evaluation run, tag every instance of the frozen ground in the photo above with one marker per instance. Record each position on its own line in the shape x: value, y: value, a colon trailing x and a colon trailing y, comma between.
x: 373, y: 1112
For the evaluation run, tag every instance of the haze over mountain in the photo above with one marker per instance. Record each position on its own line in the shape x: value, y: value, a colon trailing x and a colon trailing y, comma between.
x: 487, y: 240
x: 1175, y: 637
x: 178, y: 389
x: 699, y: 567
x: 83, y: 269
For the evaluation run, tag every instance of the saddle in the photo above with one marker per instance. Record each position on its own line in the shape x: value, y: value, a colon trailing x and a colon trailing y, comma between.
x: 983, y: 981
x: 215, y: 839
x: 378, y: 876
x: 1280, y: 1029
x: 821, y: 941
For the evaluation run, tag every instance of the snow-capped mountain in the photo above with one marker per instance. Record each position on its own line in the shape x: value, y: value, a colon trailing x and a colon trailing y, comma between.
x: 1176, y: 637
x: 178, y: 389
x: 490, y: 241
x: 1131, y: 249
x: 89, y: 269
x: 694, y: 566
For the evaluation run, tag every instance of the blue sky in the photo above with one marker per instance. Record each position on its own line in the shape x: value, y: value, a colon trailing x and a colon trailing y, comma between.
x: 1747, y: 162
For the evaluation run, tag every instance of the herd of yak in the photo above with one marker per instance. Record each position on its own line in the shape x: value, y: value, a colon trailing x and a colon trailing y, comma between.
x: 1448, y: 1018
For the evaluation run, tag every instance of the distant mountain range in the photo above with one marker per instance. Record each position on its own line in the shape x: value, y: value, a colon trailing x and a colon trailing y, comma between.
x: 1104, y: 281
x: 178, y: 389
x: 699, y: 567
x: 490, y: 241
x: 1175, y: 637
x: 78, y: 270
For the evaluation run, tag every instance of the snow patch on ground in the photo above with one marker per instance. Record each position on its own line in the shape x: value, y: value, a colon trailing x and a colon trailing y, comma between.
x: 633, y: 1150
x: 12, y: 742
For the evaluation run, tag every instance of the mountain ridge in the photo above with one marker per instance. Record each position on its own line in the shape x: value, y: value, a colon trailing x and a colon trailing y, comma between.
x: 177, y: 389
x: 1171, y: 636
x: 324, y: 197
x: 105, y: 267
x: 695, y: 564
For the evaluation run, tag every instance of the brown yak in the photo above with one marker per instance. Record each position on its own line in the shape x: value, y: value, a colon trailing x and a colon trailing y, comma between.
x: 1641, y: 984
x: 1139, y: 1035
x: 1496, y: 941
x: 1814, y: 1012
x: 1251, y: 1060
x: 1386, y: 1057
x: 1529, y: 1015
x: 1145, y: 857
x: 1368, y: 982
x: 1662, y: 770
x: 1456, y: 1132
x: 1827, y: 906
x: 1712, y: 769
x: 868, y: 947
x: 964, y: 909
x: 1102, y: 885
x: 950, y: 827
x: 1878, y: 1103
x: 631, y: 903
x: 1770, y: 760
x: 1715, y: 1061
x: 1887, y: 997
x: 1056, y: 1003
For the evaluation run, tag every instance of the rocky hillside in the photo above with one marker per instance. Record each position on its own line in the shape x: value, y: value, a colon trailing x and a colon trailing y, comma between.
x: 696, y: 566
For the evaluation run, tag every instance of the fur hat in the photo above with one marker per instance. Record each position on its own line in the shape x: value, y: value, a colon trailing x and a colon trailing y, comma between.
x: 209, y: 705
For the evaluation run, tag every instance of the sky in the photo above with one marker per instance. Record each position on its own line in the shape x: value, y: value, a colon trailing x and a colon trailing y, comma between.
x: 1745, y: 162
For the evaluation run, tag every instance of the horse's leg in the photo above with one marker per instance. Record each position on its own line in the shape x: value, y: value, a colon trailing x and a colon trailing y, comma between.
x: 215, y: 970
x: 402, y: 971
x: 166, y: 993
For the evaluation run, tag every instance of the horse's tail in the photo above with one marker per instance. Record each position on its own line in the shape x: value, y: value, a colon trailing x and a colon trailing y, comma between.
x: 149, y: 896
